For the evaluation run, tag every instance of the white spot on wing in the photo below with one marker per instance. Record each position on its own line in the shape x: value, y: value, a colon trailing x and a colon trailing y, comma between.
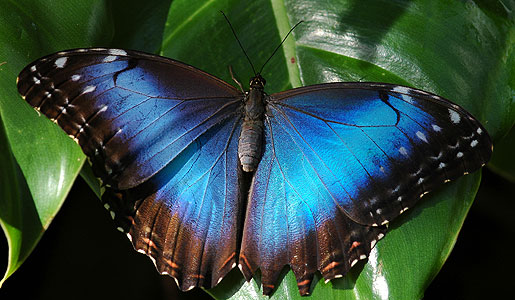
x: 119, y: 52
x: 403, y: 91
x: 353, y: 263
x: 36, y: 80
x: 479, y: 131
x: 455, y: 146
x: 104, y: 108
x: 89, y: 89
x: 468, y: 137
x: 33, y: 68
x: 455, y: 117
x: 474, y: 143
x: 110, y: 58
x: 421, y: 136
x: 362, y: 256
x: 459, y: 155
x: 436, y: 128
x: 441, y: 165
x: 437, y: 157
x: 75, y: 77
x: 61, y: 62
x: 403, y: 151
x: 400, y: 89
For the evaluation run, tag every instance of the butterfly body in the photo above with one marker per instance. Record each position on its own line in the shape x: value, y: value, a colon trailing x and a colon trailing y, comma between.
x: 251, y: 136
x: 330, y: 164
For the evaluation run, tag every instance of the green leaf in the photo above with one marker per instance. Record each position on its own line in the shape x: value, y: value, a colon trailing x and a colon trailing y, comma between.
x: 48, y: 159
x: 17, y: 213
x: 137, y: 26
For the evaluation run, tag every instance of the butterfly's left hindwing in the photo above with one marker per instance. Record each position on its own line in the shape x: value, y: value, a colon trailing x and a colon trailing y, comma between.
x: 340, y: 160
x: 188, y: 216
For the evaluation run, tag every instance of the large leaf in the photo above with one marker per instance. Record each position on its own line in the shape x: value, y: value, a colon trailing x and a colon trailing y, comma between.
x: 17, y: 217
x: 433, y: 45
x: 48, y: 159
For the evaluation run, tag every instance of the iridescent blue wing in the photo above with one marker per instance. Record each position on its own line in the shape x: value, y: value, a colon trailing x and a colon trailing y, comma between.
x: 162, y: 136
x: 340, y: 161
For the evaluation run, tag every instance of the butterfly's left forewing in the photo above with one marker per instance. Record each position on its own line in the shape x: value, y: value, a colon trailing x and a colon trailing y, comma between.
x: 342, y: 159
x: 131, y: 112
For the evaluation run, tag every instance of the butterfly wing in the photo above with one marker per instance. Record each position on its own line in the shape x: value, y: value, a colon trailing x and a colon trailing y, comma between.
x: 161, y: 136
x: 342, y: 159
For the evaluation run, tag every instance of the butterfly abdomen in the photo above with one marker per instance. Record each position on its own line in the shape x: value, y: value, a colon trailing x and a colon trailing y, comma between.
x: 250, y: 143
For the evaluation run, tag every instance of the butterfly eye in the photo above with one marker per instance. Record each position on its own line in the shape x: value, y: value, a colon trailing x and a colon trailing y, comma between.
x: 257, y: 82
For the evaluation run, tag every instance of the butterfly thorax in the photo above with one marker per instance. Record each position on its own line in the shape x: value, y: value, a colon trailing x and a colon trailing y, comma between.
x: 251, y: 136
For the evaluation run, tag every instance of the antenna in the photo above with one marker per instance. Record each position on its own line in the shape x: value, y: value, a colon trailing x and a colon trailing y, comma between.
x: 279, y: 46
x: 243, y: 49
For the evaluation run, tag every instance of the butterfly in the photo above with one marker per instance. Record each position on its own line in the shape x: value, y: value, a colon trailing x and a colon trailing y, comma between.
x: 203, y: 177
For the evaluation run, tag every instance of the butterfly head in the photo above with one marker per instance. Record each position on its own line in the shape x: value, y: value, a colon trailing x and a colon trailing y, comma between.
x: 257, y: 82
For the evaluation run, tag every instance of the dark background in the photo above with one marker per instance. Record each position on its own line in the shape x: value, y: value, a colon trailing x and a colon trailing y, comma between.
x: 83, y: 256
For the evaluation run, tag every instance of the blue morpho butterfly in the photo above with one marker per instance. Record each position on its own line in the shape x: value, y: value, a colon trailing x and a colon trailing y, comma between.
x: 203, y: 177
